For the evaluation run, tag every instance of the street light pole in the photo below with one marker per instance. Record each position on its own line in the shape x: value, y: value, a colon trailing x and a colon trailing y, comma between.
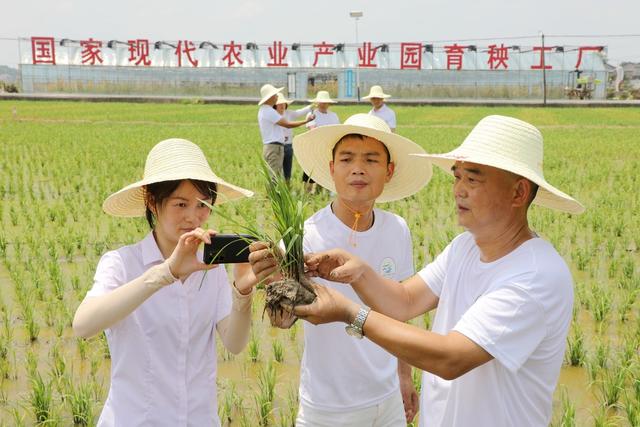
x: 356, y: 15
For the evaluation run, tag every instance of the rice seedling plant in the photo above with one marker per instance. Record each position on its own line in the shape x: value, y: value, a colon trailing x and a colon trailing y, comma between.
x: 278, y: 350
x: 80, y: 403
x: 576, y: 352
x: 265, y: 394
x: 41, y: 399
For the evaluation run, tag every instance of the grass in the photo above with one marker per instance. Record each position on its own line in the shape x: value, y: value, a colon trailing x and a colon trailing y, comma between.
x: 58, y: 161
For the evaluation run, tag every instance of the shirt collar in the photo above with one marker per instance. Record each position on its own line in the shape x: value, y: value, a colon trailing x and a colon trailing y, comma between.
x: 150, y: 251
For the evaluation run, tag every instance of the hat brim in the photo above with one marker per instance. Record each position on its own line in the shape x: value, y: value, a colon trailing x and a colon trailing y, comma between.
x: 381, y: 96
x: 270, y: 94
x: 129, y: 201
x: 547, y: 196
x: 313, y: 150
x: 322, y: 101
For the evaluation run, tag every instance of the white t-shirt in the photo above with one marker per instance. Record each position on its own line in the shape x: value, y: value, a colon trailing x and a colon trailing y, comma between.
x: 293, y: 115
x: 386, y: 114
x: 269, y: 130
x: 323, y: 119
x: 163, y: 355
x: 341, y: 373
x: 517, y: 308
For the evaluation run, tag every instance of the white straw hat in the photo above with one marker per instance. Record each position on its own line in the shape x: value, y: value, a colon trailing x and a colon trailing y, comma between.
x: 376, y: 92
x: 322, y: 97
x: 313, y: 149
x: 512, y: 145
x: 283, y: 100
x: 267, y: 91
x: 170, y: 160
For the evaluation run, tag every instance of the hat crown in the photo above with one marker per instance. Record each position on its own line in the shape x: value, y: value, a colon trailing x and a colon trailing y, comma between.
x: 281, y: 99
x: 368, y: 121
x: 174, y: 158
x: 267, y: 89
x: 512, y: 139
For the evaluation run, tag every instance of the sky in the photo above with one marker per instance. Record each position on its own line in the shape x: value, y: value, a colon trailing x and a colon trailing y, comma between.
x: 264, y: 21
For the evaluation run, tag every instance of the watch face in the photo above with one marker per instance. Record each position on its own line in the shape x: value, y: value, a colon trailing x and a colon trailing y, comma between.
x: 353, y: 331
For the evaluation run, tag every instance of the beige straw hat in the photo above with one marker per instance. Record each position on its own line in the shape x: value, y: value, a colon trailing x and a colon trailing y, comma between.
x: 283, y: 100
x: 170, y: 160
x: 322, y: 97
x: 376, y: 92
x: 267, y: 91
x: 512, y: 145
x: 313, y: 149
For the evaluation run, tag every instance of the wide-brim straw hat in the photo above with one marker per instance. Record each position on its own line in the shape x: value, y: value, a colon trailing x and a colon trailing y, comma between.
x: 170, y: 160
x: 322, y: 97
x: 267, y: 91
x: 313, y: 149
x: 283, y: 100
x: 376, y: 92
x: 512, y: 145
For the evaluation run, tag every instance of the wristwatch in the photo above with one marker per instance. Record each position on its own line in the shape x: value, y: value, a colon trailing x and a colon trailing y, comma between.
x: 355, y: 328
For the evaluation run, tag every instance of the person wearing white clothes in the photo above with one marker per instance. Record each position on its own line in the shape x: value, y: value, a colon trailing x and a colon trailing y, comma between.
x: 503, y: 295
x: 345, y: 381
x: 380, y: 109
x: 323, y: 117
x: 158, y: 308
x: 271, y: 126
x: 282, y: 107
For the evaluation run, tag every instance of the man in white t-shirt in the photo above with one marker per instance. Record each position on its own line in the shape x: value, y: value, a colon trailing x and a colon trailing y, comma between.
x: 503, y: 295
x: 271, y: 128
x: 343, y: 381
x: 323, y: 117
x: 380, y: 109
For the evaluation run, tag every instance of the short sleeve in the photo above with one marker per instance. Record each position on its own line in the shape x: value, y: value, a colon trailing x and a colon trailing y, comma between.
x: 508, y: 323
x: 223, y: 303
x: 109, y: 275
x: 433, y: 274
x: 272, y: 116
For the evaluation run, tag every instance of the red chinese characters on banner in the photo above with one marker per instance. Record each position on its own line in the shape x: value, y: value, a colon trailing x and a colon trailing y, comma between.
x: 543, y: 63
x: 139, y: 52
x: 232, y: 54
x: 186, y: 47
x: 322, y: 49
x: 498, y: 56
x: 454, y: 56
x: 410, y: 56
x: 43, y: 50
x: 277, y: 55
x: 91, y: 51
x: 582, y: 49
x: 366, y: 55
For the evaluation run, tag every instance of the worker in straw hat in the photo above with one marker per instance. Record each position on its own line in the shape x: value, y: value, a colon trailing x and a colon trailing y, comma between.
x: 271, y: 128
x: 282, y: 107
x: 160, y: 314
x: 377, y: 98
x: 323, y: 117
x: 503, y: 294
x: 356, y: 383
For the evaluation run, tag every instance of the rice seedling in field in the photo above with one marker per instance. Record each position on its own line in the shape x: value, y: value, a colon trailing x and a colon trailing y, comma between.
x: 278, y: 350
x: 265, y: 394
x: 568, y: 411
x: 253, y: 350
x: 60, y: 160
x: 40, y: 399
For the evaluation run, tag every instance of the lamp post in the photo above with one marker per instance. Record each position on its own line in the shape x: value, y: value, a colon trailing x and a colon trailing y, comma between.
x: 357, y: 14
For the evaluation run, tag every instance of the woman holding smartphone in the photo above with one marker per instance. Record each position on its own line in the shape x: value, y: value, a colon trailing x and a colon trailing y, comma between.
x: 159, y: 304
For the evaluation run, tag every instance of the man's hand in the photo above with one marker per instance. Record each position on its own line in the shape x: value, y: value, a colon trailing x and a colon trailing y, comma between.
x: 263, y: 262
x: 336, y: 265
x: 329, y: 306
x: 409, y: 397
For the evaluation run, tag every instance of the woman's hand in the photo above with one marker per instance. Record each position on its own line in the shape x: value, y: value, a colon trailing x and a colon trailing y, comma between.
x: 183, y: 260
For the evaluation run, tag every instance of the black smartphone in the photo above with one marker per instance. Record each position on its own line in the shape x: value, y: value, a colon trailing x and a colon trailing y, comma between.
x: 228, y: 249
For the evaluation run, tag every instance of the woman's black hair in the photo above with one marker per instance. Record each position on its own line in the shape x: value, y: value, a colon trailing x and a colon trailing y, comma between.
x: 157, y: 192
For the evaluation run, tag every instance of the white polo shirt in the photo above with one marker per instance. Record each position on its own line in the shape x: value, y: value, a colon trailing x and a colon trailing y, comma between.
x: 269, y: 130
x: 386, y: 114
x: 163, y: 355
x: 323, y: 119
